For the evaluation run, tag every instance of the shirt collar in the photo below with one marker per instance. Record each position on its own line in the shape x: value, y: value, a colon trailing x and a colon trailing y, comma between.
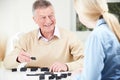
x: 56, y: 33
x: 100, y: 22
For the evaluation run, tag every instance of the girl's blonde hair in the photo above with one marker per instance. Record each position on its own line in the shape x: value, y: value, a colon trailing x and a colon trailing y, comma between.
x: 93, y: 9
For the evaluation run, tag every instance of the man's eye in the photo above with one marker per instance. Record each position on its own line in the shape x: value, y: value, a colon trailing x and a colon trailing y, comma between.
x: 51, y: 16
x: 43, y: 17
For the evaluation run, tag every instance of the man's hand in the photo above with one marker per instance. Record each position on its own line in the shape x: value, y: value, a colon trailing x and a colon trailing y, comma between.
x: 23, y: 57
x: 58, y: 67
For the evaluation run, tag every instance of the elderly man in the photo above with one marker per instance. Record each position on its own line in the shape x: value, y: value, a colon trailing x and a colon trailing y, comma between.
x: 53, y: 47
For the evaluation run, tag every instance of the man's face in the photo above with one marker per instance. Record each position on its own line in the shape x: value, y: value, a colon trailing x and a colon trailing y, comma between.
x: 45, y: 18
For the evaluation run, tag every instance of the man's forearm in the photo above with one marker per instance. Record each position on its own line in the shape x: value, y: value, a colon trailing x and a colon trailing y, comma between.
x: 10, y: 62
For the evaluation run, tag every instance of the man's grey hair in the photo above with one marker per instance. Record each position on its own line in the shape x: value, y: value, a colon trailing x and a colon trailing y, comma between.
x: 40, y: 4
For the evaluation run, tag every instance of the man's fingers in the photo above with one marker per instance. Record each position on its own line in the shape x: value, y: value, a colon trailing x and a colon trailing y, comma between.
x: 24, y: 57
x: 58, y: 67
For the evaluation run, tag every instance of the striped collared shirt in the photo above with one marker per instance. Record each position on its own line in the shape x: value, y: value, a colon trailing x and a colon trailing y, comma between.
x: 56, y: 33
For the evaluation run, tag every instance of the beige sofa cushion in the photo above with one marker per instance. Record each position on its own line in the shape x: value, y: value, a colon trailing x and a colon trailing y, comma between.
x: 3, y: 43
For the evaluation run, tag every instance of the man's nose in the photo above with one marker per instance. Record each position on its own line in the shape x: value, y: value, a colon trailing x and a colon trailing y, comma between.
x: 48, y: 20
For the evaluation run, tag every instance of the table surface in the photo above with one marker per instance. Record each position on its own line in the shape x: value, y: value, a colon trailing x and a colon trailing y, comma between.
x: 9, y: 75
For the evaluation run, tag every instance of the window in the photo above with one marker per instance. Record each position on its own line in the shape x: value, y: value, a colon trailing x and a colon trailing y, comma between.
x: 114, y: 7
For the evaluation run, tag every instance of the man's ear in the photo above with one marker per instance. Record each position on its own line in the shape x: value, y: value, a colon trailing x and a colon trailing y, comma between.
x: 35, y: 20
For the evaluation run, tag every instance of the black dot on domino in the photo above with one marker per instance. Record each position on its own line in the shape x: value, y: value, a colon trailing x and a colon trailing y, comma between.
x: 23, y: 69
x: 33, y: 58
x: 34, y: 69
x: 14, y: 69
x: 42, y: 76
x: 45, y: 69
x: 69, y: 74
x: 58, y: 77
x: 52, y: 76
x: 63, y: 75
